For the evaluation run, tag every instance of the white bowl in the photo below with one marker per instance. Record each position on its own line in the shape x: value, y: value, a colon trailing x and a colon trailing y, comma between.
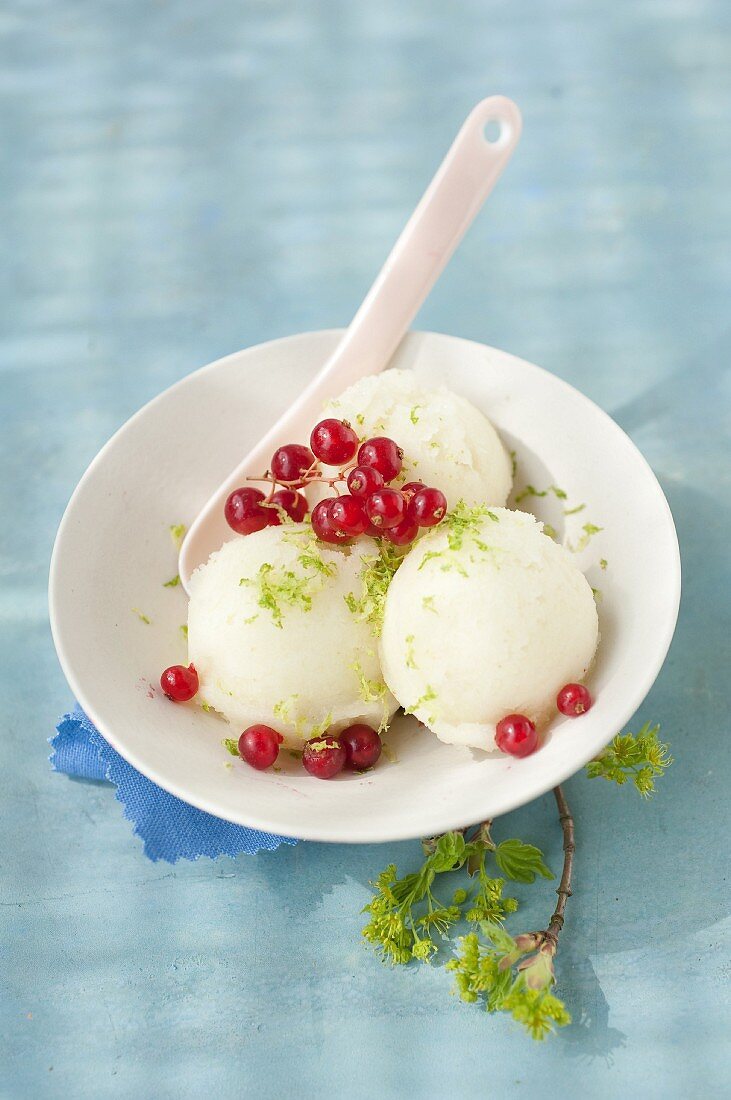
x: 113, y: 554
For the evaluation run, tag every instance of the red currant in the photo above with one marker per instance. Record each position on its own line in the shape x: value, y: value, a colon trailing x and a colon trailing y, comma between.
x: 364, y: 480
x: 179, y: 683
x: 347, y: 514
x: 427, y: 507
x: 574, y: 700
x: 322, y: 524
x: 333, y: 442
x: 244, y: 512
x: 291, y: 462
x: 383, y: 455
x: 403, y: 534
x: 386, y: 508
x: 516, y: 735
x: 412, y: 487
x: 323, y: 757
x: 294, y: 504
x: 362, y: 746
x: 259, y: 746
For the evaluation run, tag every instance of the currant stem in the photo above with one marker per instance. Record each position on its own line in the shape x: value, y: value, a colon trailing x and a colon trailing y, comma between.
x: 307, y: 478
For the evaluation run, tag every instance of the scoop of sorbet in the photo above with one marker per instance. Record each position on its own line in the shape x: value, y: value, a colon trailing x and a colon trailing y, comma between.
x: 486, y: 617
x: 274, y: 640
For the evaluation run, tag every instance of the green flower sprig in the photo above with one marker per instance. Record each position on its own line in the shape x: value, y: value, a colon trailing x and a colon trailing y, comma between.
x: 642, y: 758
x: 503, y: 973
x: 407, y: 915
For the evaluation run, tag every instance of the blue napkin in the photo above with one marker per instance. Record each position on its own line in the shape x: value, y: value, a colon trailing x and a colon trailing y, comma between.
x: 169, y: 828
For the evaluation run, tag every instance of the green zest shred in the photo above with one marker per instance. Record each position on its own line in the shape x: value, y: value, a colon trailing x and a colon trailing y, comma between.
x: 376, y: 574
x: 370, y: 691
x: 283, y: 709
x: 428, y: 697
x: 463, y: 526
x: 285, y: 713
x: 322, y: 727
x: 531, y: 491
x: 318, y: 746
x: 177, y: 533
x: 588, y: 532
x: 279, y: 588
x: 465, y: 522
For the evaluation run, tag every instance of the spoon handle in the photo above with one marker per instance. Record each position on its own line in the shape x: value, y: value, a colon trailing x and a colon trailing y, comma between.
x: 463, y: 181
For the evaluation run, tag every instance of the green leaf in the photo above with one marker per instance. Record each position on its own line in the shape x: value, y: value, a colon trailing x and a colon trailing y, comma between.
x: 496, y: 996
x: 497, y: 936
x: 231, y: 745
x: 521, y: 862
x: 450, y: 852
x: 173, y: 582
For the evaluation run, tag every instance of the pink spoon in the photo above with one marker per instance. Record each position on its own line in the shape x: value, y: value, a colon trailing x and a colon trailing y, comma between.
x: 463, y: 181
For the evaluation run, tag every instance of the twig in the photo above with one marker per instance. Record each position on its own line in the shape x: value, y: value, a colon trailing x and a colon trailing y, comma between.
x: 564, y: 886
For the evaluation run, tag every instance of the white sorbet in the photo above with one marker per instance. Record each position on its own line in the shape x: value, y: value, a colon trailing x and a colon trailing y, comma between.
x: 274, y: 641
x: 447, y: 442
x: 486, y: 617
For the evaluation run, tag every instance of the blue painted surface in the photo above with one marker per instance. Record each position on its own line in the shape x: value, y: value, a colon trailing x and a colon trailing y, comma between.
x: 185, y: 179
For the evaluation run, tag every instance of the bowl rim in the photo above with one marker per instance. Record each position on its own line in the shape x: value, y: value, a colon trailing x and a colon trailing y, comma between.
x: 372, y: 834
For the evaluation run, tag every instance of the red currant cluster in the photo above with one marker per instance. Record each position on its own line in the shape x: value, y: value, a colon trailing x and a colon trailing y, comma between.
x: 371, y: 506
x: 358, y: 747
x: 517, y: 735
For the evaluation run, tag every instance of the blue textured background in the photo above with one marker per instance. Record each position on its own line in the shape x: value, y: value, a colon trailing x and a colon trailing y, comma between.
x: 182, y: 179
